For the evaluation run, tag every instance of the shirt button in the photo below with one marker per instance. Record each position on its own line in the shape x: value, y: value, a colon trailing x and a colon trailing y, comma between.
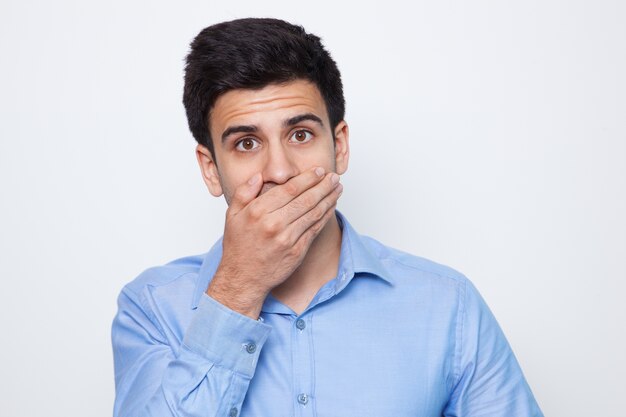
x: 300, y: 324
x: 251, y: 347
x: 233, y: 412
x: 303, y: 399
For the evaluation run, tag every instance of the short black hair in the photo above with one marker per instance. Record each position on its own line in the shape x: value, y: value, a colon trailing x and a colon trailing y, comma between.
x: 253, y: 53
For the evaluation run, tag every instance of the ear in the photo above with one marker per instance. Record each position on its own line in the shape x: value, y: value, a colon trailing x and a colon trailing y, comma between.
x: 210, y: 174
x: 342, y: 147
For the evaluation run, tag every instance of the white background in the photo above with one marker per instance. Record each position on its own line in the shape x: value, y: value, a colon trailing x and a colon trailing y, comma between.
x: 486, y: 135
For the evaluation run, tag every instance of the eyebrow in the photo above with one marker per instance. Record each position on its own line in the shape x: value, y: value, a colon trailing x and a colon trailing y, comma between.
x: 238, y: 129
x: 302, y: 117
x: 287, y: 123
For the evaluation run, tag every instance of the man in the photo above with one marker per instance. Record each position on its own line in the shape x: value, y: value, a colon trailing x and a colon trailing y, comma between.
x: 293, y: 312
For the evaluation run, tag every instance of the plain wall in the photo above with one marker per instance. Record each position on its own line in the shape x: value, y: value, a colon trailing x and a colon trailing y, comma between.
x: 488, y: 136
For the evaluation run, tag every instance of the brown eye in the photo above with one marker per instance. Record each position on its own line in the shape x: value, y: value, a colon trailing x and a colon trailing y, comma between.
x: 302, y: 136
x: 247, y: 144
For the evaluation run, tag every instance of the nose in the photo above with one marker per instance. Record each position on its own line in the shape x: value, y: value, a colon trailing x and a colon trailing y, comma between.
x: 279, y: 165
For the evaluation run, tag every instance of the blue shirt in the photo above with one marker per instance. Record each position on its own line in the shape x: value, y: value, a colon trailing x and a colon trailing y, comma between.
x: 391, y: 335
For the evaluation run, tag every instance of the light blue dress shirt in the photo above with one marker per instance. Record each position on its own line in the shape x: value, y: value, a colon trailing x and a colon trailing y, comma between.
x: 391, y: 335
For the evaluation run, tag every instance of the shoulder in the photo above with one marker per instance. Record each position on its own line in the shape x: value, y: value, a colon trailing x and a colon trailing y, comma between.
x: 164, y: 275
x: 430, y: 282
x: 403, y: 264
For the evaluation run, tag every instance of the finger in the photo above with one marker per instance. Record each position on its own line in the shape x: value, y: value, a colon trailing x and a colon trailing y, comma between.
x: 282, y: 194
x: 309, y: 219
x: 245, y: 193
x: 309, y: 234
x: 309, y: 199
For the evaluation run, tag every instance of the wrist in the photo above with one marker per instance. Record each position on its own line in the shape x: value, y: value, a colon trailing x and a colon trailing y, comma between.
x: 243, y: 299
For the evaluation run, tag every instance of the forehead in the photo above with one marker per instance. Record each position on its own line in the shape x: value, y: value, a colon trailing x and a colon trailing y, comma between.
x: 274, y: 101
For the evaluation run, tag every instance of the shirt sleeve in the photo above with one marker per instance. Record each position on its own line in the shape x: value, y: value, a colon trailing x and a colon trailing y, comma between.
x: 489, y: 379
x: 207, y: 376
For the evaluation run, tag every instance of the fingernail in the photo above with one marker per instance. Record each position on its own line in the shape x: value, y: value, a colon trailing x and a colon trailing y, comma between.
x: 319, y: 171
x: 254, y: 179
x: 339, y: 188
x: 334, y: 179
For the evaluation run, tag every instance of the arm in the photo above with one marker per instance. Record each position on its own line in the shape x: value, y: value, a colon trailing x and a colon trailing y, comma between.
x: 207, y: 376
x: 490, y: 382
x: 265, y: 239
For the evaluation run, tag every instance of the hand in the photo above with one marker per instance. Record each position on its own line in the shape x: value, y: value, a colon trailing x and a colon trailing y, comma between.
x: 267, y: 237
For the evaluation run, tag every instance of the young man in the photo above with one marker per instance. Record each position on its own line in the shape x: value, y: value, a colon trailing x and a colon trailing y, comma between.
x: 293, y: 312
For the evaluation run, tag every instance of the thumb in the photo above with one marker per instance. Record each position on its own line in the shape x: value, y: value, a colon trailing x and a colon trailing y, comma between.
x: 246, y: 192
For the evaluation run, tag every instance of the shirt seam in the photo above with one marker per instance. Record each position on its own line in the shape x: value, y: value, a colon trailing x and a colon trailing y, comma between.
x: 458, y: 349
x: 145, y: 308
x: 141, y: 299
x: 456, y: 277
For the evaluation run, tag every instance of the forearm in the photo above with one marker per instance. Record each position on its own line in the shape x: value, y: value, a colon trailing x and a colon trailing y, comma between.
x: 208, y: 375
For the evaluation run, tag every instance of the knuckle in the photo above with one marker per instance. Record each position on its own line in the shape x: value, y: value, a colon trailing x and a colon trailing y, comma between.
x: 294, y: 251
x: 318, y: 212
x: 316, y: 228
x: 255, y: 212
x: 271, y: 228
x: 307, y: 201
x: 291, y: 189
x: 238, y: 195
x: 283, y: 242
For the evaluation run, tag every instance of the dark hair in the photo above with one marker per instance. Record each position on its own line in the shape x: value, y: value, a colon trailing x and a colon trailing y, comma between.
x: 253, y: 53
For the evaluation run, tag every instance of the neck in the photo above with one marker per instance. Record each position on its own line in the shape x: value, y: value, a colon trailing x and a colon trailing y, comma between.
x: 318, y: 267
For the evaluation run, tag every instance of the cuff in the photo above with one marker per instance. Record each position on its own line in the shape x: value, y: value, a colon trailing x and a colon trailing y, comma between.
x: 226, y: 337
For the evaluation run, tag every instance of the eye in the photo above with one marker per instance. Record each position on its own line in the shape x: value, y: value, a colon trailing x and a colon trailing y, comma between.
x: 301, y: 136
x: 247, y: 144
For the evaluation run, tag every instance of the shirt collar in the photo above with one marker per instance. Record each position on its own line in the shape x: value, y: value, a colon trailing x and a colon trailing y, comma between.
x: 356, y: 258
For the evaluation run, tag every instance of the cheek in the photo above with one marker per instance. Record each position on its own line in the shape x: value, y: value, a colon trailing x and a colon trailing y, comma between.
x: 321, y: 156
x: 236, y: 176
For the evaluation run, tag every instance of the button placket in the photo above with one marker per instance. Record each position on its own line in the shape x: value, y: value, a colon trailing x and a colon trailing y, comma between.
x: 303, y: 366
